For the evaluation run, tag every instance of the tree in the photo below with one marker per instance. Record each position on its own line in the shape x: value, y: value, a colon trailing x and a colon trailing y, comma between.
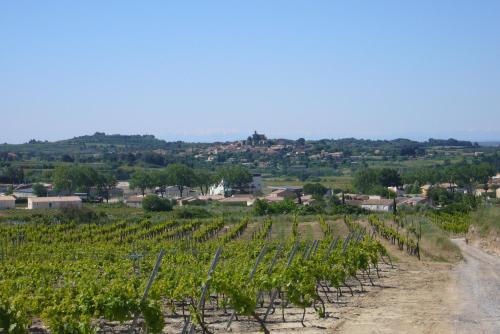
x: 71, y: 178
x: 64, y: 179
x: 315, y: 189
x: 365, y: 179
x: 155, y: 203
x: 234, y: 177
x: 14, y: 174
x: 141, y: 180
x: 203, y: 179
x: 389, y: 177
x: 86, y: 178
x: 160, y: 179
x: 39, y: 190
x: 181, y: 176
x: 106, y: 182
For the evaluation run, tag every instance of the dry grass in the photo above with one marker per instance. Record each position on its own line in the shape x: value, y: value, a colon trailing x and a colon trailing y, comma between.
x: 487, y: 220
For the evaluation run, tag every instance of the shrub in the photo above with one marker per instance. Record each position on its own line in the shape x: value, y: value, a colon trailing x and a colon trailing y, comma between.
x: 21, y: 200
x: 191, y: 213
x: 155, y: 203
x: 81, y: 215
x: 262, y: 207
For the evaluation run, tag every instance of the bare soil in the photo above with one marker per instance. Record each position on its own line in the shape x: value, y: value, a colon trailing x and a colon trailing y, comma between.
x: 430, y: 297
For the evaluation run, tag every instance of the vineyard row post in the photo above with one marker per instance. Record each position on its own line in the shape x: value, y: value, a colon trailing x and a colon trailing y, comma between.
x: 149, y: 284
x: 252, y: 274
x: 273, y: 295
x: 189, y: 327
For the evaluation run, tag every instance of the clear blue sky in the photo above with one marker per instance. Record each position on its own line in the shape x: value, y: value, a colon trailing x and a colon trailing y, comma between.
x: 220, y: 69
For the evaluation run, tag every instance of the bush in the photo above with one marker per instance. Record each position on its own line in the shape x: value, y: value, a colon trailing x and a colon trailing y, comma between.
x: 191, y: 213
x: 262, y: 207
x: 196, y: 202
x: 21, y: 200
x: 81, y: 215
x: 155, y: 203
x: 347, y: 209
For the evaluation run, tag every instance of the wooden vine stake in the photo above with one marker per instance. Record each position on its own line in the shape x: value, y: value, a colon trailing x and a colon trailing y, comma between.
x: 273, y: 295
x: 189, y: 327
x: 252, y: 274
x: 148, y: 286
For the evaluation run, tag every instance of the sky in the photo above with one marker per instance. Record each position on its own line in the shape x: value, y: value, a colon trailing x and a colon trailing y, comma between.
x: 215, y: 70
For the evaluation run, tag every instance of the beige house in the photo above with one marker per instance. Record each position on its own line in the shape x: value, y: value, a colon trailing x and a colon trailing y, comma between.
x: 247, y: 200
x: 7, y: 202
x: 280, y: 195
x: 135, y: 201
x: 54, y: 202
x: 424, y: 190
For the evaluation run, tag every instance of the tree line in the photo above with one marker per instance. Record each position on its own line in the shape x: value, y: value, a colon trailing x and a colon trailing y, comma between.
x: 68, y: 179
x: 463, y: 174
x: 182, y: 177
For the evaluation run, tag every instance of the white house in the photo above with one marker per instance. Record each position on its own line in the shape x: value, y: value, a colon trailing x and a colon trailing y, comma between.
x: 7, y: 202
x: 216, y: 189
x: 382, y: 205
x: 255, y: 186
x: 54, y: 202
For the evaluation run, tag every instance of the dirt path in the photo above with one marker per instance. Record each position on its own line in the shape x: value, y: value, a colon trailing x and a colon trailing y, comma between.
x: 413, y: 300
x: 433, y: 298
x: 477, y: 282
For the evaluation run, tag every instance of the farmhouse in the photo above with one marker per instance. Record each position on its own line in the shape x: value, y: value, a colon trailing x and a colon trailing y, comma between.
x: 7, y: 202
x: 255, y: 186
x: 280, y: 195
x: 135, y: 201
x: 54, y: 202
x: 382, y: 205
x: 247, y: 200
x: 410, y: 201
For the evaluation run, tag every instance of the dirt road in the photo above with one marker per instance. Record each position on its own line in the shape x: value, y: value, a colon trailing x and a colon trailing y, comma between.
x: 477, y: 282
x: 431, y: 297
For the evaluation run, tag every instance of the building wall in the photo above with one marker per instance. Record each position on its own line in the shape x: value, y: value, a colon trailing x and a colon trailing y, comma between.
x: 53, y: 205
x: 217, y: 189
x: 379, y: 208
x: 134, y: 204
x: 7, y: 204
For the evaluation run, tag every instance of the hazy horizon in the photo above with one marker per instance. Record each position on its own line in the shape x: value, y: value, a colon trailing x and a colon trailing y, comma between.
x: 241, y: 136
x: 220, y: 70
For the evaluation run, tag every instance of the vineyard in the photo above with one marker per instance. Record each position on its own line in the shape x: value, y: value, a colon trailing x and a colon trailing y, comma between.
x: 175, y: 276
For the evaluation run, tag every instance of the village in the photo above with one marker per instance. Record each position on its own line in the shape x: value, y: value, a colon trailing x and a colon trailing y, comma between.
x: 241, y: 196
